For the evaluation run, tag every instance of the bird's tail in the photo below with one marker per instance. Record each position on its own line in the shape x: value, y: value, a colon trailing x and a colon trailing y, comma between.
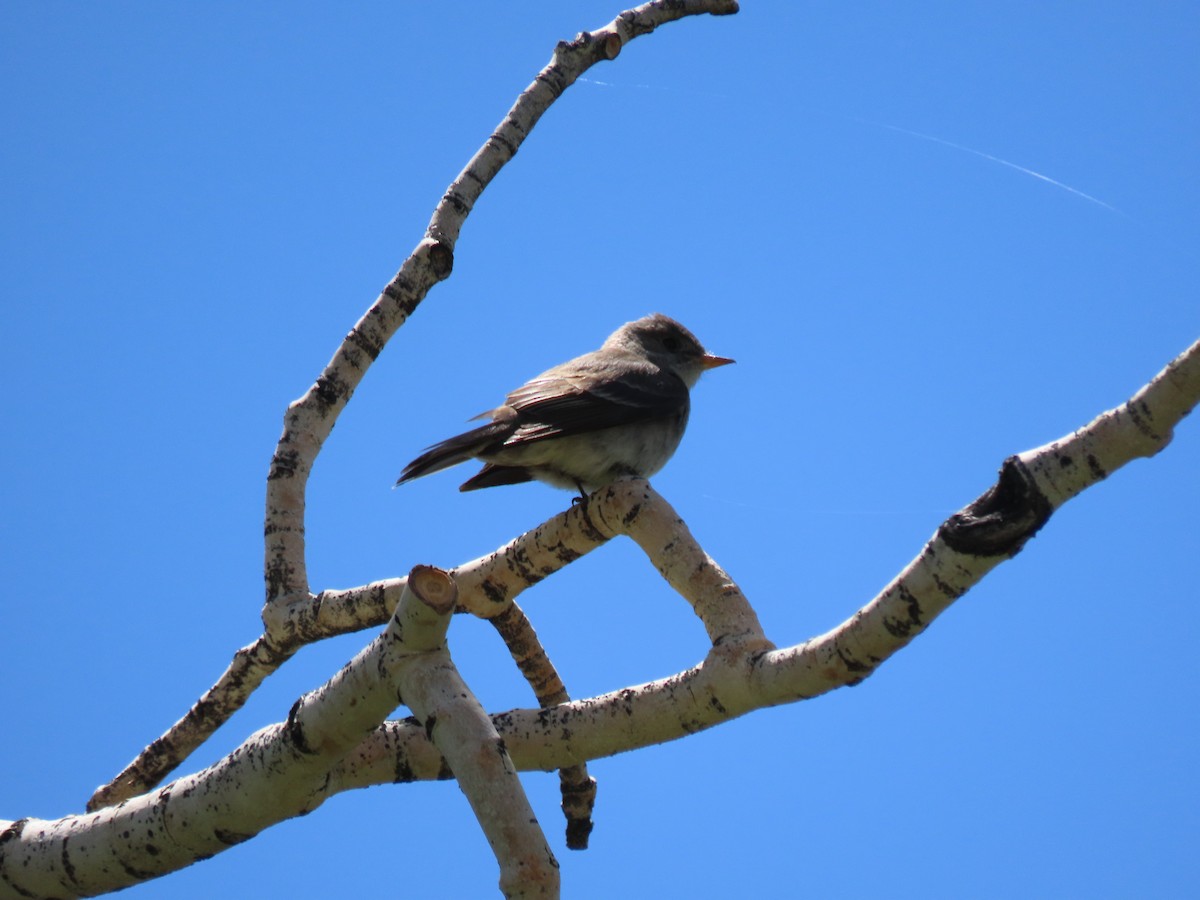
x: 452, y: 451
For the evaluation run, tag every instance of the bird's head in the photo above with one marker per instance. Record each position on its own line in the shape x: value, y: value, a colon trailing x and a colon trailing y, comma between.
x: 666, y: 343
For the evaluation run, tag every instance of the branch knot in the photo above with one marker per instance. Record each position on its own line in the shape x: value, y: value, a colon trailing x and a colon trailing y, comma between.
x: 1003, y: 518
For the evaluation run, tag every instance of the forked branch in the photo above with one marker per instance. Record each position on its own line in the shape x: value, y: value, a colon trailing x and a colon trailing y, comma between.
x: 204, y: 813
x: 310, y: 419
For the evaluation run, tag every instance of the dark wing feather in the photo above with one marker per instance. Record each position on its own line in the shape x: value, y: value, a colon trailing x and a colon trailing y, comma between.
x: 493, y: 476
x: 459, y: 448
x: 591, y: 397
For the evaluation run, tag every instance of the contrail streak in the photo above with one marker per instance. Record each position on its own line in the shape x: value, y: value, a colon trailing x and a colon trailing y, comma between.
x: 995, y: 159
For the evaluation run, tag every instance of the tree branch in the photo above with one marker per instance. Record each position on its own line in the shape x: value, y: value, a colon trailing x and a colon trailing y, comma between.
x: 310, y: 419
x: 459, y: 727
x: 204, y: 813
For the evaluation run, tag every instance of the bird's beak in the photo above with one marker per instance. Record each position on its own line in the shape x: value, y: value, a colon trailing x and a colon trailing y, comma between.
x: 708, y: 361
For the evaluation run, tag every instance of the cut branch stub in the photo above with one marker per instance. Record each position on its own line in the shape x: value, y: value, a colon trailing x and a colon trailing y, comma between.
x: 434, y: 587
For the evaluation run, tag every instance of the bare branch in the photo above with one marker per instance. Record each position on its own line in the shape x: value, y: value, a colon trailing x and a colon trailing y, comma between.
x: 290, y: 610
x: 459, y: 727
x: 1141, y: 427
x: 577, y: 786
x: 726, y: 685
x: 310, y: 419
x: 988, y: 531
x: 281, y: 768
x: 204, y: 813
x: 250, y: 666
x: 665, y: 538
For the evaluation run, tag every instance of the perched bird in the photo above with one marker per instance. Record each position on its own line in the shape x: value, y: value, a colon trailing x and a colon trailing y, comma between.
x: 619, y: 410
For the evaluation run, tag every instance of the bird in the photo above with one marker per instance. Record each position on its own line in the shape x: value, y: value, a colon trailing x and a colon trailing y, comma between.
x: 617, y: 411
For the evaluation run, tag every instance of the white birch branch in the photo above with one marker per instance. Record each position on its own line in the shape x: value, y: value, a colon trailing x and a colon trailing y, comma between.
x: 204, y: 813
x: 284, y: 766
x: 310, y: 419
x: 576, y: 785
x: 459, y: 727
x: 726, y: 685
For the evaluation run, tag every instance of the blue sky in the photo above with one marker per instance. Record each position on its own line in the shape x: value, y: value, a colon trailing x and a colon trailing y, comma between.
x: 932, y: 236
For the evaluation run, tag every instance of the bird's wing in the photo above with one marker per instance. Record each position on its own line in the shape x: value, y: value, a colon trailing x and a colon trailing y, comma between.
x: 588, y: 397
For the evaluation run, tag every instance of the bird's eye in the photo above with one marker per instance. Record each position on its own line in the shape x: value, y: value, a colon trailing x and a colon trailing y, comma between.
x: 671, y: 343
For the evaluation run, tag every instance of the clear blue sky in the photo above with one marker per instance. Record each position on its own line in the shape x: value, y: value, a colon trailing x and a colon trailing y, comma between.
x: 932, y: 235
